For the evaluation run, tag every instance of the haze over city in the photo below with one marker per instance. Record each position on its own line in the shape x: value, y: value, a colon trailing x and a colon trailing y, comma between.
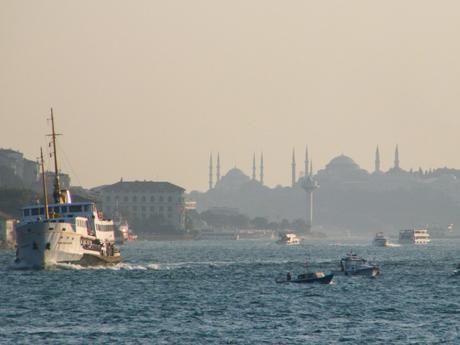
x: 154, y: 87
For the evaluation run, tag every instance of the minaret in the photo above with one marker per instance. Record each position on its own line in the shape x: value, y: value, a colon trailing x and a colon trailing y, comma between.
x: 311, y: 168
x: 309, y: 185
x: 218, y: 168
x: 293, y: 168
x: 210, y: 172
x: 377, y: 160
x: 396, y: 158
x: 306, y: 161
x: 262, y: 168
x: 254, y: 167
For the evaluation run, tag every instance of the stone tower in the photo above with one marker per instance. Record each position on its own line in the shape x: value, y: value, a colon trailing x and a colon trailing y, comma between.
x: 218, y: 168
x: 210, y: 171
x: 254, y: 167
x: 293, y: 169
x: 262, y: 168
x: 377, y: 160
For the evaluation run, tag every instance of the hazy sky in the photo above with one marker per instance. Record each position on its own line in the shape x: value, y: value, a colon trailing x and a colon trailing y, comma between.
x: 146, y: 89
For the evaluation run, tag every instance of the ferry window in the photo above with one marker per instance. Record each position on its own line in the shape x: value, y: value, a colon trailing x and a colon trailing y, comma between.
x: 152, y: 199
x: 161, y: 199
x: 75, y: 208
x: 26, y: 212
x: 50, y: 209
x: 143, y: 199
x: 64, y: 209
x: 56, y: 209
x: 42, y: 210
x: 134, y: 198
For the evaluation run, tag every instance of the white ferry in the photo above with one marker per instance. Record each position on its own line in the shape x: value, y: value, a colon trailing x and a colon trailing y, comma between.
x: 288, y: 239
x: 63, y: 232
x: 414, y: 236
x: 380, y: 240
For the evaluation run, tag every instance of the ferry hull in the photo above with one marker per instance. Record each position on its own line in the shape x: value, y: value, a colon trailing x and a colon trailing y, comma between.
x: 40, y: 245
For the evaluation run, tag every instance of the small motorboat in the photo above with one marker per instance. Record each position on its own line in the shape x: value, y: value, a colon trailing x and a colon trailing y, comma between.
x: 456, y: 270
x: 353, y: 265
x: 307, y: 278
x: 288, y: 239
x: 380, y: 240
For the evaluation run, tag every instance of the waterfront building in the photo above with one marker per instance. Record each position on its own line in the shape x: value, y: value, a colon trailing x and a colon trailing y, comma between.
x: 17, y: 170
x: 158, y: 204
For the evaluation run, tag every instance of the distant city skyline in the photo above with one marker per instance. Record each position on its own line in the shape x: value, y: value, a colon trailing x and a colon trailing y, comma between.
x: 148, y: 90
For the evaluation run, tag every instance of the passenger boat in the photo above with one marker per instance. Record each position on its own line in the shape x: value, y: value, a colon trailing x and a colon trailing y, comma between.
x: 288, y: 239
x: 64, y: 231
x: 380, y: 240
x: 414, y: 236
x: 353, y: 264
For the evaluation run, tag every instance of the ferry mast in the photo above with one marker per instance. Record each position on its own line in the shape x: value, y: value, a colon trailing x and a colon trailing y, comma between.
x: 57, y: 185
x: 45, y: 192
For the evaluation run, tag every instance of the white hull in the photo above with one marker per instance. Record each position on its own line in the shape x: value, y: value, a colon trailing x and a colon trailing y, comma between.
x: 381, y: 242
x: 43, y: 244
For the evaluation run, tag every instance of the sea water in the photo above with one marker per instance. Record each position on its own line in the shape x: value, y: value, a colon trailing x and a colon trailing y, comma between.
x: 209, y: 292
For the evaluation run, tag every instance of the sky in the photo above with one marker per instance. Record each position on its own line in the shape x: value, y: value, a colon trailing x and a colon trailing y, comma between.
x: 146, y: 89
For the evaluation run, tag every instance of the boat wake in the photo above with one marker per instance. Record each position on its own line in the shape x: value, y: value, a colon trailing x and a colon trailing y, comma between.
x: 393, y: 245
x: 123, y: 266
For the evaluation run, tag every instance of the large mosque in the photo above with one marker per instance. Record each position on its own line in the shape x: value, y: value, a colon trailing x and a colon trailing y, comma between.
x: 349, y: 197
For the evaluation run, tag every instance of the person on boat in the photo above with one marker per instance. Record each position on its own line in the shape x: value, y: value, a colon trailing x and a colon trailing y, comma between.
x: 288, y: 276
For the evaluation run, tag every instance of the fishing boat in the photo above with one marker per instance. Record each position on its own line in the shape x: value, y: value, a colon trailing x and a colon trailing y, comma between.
x: 63, y: 231
x: 380, y: 240
x: 288, y: 239
x: 352, y: 265
x: 307, y: 278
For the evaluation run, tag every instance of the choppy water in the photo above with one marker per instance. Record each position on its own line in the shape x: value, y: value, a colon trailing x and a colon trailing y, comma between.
x: 205, y: 292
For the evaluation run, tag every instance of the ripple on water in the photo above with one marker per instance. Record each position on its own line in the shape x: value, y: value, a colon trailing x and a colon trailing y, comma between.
x: 207, y: 292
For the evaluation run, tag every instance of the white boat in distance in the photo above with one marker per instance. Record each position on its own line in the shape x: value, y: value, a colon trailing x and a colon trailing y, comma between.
x: 414, y: 236
x: 63, y: 232
x: 288, y: 239
x: 380, y: 240
x: 353, y: 264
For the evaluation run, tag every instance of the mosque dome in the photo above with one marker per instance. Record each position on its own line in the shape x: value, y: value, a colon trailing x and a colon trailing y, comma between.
x: 342, y: 168
x: 342, y: 162
x: 234, y: 178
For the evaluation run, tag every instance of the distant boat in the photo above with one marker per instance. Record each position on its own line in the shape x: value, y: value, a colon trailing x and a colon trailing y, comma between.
x: 308, y: 278
x: 414, y: 236
x: 380, y: 240
x: 353, y: 264
x: 288, y: 239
